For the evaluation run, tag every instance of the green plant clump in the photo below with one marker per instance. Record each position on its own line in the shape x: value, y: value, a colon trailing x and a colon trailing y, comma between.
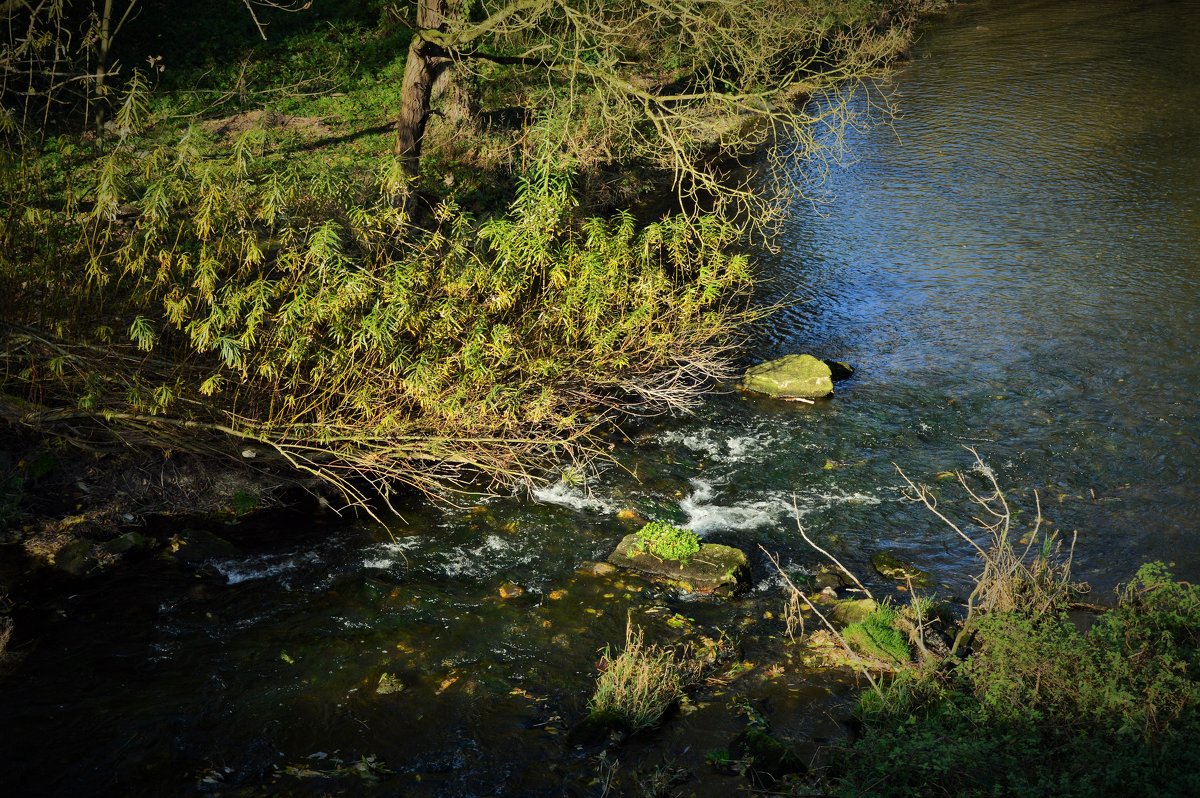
x: 668, y: 542
x: 1039, y: 708
x: 876, y: 636
x: 637, y: 686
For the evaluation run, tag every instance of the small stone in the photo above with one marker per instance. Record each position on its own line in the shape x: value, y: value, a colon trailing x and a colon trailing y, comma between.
x: 127, y: 542
x: 629, y: 515
x: 555, y: 595
x: 597, y: 569
x: 510, y: 590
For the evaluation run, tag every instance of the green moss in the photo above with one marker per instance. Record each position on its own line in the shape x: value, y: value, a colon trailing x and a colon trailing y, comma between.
x: 668, y: 542
x: 876, y: 636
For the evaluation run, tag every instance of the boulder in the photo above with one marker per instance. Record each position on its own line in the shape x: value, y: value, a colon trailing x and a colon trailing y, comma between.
x: 194, y: 547
x: 716, y: 570
x: 790, y: 377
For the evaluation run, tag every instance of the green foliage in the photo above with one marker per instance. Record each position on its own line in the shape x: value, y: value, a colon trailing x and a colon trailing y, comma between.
x: 244, y: 502
x: 272, y: 276
x: 1042, y: 709
x: 876, y: 636
x: 292, y: 301
x: 667, y: 542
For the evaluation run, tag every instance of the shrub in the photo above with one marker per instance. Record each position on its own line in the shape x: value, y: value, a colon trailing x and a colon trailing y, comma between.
x: 1039, y: 708
x: 667, y: 542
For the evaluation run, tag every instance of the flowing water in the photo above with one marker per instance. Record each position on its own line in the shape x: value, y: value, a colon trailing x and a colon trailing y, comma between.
x: 1011, y: 266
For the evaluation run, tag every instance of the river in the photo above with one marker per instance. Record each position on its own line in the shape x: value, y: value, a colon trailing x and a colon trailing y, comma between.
x: 1011, y: 265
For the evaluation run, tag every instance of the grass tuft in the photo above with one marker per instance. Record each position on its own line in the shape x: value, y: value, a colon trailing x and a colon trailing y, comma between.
x: 637, y: 686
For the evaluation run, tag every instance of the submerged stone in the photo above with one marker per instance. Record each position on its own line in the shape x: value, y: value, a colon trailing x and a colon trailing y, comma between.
x: 596, y: 569
x: 790, y: 377
x: 715, y: 570
x: 828, y: 577
x: 389, y: 684
x: 510, y: 590
x: 892, y: 567
x: 768, y: 755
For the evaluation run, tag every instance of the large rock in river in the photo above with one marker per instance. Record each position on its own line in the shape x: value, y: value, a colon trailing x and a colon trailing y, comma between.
x: 790, y: 377
x: 715, y: 570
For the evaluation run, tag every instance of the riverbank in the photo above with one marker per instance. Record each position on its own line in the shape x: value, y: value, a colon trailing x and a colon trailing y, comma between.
x: 277, y: 273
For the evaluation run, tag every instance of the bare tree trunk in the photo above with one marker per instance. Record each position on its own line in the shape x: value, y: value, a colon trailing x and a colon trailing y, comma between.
x: 451, y: 92
x: 425, y: 62
x: 102, y: 49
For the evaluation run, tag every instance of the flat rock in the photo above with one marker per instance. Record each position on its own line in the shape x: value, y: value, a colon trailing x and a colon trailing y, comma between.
x: 716, y: 570
x: 790, y: 377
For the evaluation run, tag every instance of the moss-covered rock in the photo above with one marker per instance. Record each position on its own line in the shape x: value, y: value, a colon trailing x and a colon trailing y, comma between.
x: 851, y: 611
x: 892, y: 567
x: 128, y: 542
x: 790, y: 377
x: 714, y: 570
x: 77, y: 557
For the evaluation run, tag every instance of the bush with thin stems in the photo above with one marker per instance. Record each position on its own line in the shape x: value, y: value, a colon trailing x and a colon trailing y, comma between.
x: 1031, y: 574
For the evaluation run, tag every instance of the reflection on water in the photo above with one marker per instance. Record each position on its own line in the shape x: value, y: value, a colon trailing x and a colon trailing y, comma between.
x: 1012, y: 266
x: 1015, y: 265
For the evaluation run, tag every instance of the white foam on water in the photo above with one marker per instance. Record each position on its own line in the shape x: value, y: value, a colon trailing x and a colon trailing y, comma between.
x: 564, y: 495
x: 813, y: 502
x: 263, y: 567
x: 721, y: 447
x: 386, y: 555
x: 491, y: 556
x: 774, y: 508
x: 705, y: 516
x: 774, y: 581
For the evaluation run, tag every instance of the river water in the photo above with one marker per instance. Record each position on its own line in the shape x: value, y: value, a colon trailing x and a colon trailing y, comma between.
x: 1011, y: 265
